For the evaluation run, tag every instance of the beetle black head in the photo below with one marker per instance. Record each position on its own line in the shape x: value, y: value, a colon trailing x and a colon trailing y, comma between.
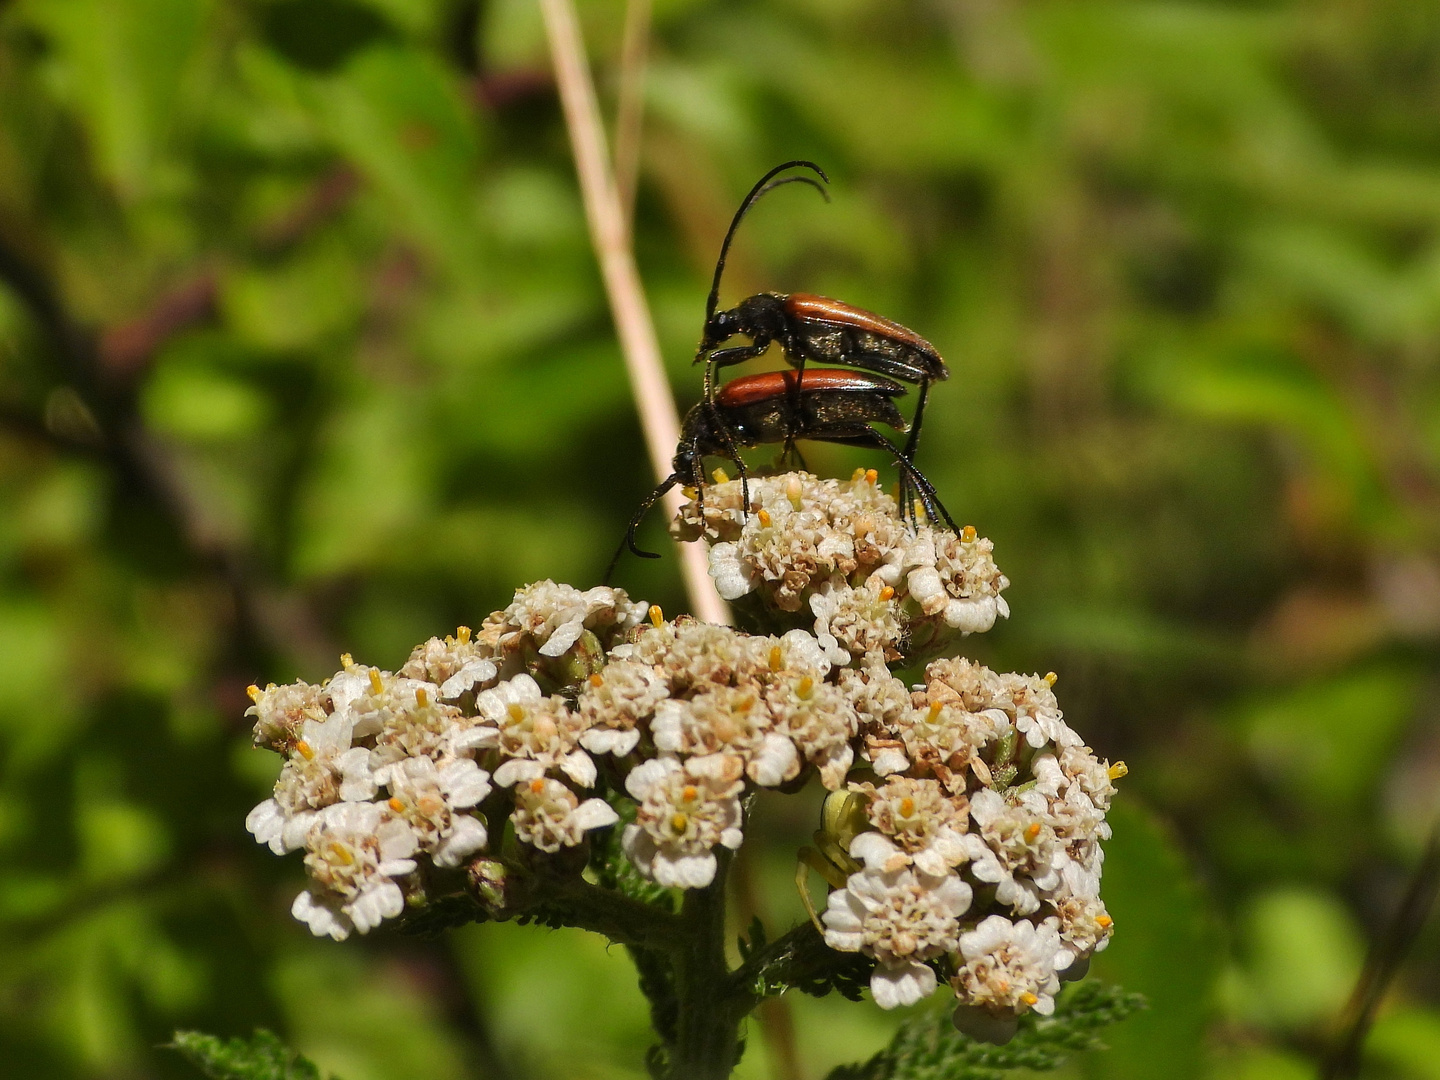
x: 764, y: 184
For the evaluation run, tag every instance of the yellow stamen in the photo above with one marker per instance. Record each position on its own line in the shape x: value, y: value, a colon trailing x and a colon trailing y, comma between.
x: 537, y: 785
x: 688, y: 491
x: 968, y: 534
x: 887, y: 593
x: 395, y: 804
x: 1104, y: 922
x: 347, y: 661
x: 935, y: 707
x: 805, y: 687
x: 720, y: 476
x: 871, y: 475
x: 1118, y: 770
x: 305, y: 750
x: 858, y: 475
x: 1051, y: 678
x: 907, y: 806
x: 1032, y: 831
x: 341, y: 853
x: 777, y: 658
x: 689, y: 793
x: 919, y: 510
x: 1028, y: 998
x: 764, y: 516
x: 253, y: 691
x: 657, y: 617
x: 377, y: 686
x: 462, y: 635
x: 597, y: 680
x: 678, y: 822
x: 422, y: 699
x: 516, y: 711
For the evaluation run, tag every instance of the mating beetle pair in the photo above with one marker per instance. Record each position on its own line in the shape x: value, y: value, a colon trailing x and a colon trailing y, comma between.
x: 821, y: 404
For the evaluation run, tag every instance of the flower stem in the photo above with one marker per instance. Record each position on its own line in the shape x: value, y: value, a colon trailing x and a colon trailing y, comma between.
x: 708, y: 1036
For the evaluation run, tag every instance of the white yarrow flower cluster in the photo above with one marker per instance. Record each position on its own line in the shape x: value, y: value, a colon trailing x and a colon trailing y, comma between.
x: 386, y: 775
x: 970, y: 850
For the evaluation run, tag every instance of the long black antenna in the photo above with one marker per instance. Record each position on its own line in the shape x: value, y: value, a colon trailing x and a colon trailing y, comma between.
x: 761, y: 187
x: 629, y: 541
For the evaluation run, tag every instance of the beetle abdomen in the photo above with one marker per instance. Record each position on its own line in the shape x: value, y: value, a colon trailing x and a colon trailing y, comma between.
x: 840, y: 332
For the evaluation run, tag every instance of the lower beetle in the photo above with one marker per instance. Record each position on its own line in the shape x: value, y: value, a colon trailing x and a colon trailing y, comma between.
x: 831, y: 405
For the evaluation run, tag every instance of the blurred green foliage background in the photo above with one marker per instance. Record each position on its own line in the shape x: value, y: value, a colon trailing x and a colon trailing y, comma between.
x: 303, y: 348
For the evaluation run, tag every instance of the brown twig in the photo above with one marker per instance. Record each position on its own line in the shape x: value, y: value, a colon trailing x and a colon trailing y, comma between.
x: 630, y: 106
x: 628, y: 306
x: 1383, y: 964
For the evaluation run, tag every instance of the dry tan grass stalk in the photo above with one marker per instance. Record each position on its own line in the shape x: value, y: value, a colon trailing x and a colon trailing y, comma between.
x: 610, y: 236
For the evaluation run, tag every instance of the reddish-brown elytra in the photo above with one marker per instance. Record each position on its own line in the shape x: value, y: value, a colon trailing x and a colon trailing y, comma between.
x: 749, y: 389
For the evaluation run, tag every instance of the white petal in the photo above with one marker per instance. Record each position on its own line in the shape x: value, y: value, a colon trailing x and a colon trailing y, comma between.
x: 610, y: 741
x: 971, y: 616
x: 580, y: 767
x: 563, y: 637
x: 927, y: 590
x: 896, y: 986
x: 397, y: 839
x: 647, y: 774
x: 874, y: 849
x: 357, y: 784
x: 321, y: 919
x: 684, y: 871
x: 890, y: 760
x: 474, y: 671
x: 464, y: 783
x: 482, y: 737
x: 776, y: 762
x: 267, y: 824
x: 296, y: 829
x: 732, y: 580
x: 667, y: 726
x: 467, y: 836
x: 517, y: 770
x: 594, y: 814
x: 639, y: 848
x: 382, y: 900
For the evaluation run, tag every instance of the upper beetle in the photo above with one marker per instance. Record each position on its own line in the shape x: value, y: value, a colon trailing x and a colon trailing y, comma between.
x: 809, y: 327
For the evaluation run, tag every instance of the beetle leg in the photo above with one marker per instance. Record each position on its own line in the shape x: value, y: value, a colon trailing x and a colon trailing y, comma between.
x: 725, y: 357
x: 733, y: 452
x: 913, y: 442
x: 862, y: 435
x: 739, y: 353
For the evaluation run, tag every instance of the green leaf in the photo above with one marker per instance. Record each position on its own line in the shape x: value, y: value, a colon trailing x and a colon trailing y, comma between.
x: 123, y: 63
x: 397, y: 114
x: 261, y: 1057
x: 1165, y: 947
x: 928, y: 1047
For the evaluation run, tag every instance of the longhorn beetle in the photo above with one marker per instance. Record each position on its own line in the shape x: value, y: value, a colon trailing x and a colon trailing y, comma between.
x: 809, y: 327
x: 832, y: 405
